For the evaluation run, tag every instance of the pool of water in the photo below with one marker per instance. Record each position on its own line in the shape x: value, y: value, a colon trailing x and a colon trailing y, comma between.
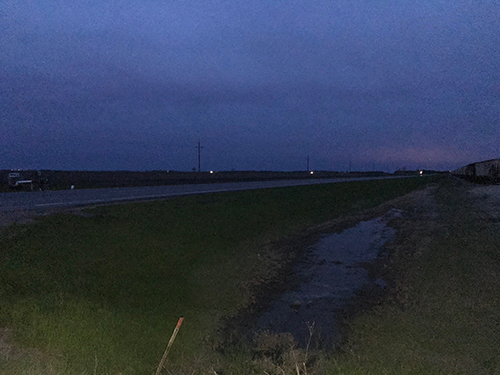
x: 329, y: 274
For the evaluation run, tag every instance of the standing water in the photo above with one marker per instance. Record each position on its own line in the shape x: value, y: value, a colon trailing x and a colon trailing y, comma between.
x: 332, y: 271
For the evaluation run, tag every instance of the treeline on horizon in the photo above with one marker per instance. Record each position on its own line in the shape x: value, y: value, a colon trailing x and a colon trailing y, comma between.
x: 104, y: 179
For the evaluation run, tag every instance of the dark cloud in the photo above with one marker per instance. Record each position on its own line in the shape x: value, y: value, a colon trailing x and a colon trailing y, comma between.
x: 133, y: 85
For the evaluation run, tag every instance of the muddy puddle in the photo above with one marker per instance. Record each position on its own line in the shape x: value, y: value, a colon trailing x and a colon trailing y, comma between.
x: 329, y: 274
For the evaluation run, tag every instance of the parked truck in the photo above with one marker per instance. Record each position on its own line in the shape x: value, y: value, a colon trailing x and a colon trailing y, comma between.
x: 26, y: 180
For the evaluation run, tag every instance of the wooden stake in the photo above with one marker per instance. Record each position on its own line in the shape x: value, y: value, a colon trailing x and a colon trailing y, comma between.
x: 164, y: 358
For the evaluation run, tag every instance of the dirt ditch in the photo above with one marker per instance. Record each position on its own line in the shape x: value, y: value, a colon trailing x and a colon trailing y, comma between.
x: 406, y: 225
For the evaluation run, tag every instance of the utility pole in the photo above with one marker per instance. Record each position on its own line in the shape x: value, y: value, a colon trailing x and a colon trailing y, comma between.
x: 308, y: 163
x: 199, y: 147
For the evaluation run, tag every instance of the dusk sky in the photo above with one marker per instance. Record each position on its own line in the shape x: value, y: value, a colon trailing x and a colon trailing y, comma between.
x: 133, y: 85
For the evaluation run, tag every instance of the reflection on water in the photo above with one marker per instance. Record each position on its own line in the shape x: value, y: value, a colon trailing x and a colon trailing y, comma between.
x: 332, y: 271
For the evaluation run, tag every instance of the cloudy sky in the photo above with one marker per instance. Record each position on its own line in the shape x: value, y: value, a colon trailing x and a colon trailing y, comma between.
x: 133, y: 85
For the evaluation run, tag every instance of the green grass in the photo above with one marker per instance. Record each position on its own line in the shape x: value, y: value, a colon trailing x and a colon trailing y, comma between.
x: 103, y: 293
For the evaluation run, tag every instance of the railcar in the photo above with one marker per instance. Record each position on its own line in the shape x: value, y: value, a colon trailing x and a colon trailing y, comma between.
x: 487, y: 171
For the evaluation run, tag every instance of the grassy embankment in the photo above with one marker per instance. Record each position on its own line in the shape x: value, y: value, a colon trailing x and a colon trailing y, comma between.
x: 449, y: 320
x: 101, y: 294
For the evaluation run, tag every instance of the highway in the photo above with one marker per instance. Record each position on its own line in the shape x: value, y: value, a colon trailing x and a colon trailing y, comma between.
x: 48, y: 200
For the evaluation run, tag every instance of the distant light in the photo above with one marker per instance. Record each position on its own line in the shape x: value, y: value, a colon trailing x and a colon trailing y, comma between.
x: 312, y: 172
x: 421, y: 173
x: 211, y: 172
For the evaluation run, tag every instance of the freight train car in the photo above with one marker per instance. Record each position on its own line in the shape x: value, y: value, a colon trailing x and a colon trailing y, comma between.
x: 484, y: 171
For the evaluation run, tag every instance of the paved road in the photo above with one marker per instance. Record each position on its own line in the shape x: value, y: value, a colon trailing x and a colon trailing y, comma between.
x: 48, y: 200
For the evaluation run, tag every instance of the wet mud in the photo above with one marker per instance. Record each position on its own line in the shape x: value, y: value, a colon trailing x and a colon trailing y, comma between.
x: 329, y: 274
